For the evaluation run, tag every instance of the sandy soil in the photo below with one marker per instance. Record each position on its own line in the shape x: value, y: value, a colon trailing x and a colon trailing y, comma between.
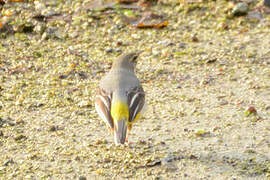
x: 201, y: 73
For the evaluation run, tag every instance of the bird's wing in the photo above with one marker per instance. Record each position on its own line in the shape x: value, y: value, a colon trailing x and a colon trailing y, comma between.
x: 103, y: 106
x: 136, y: 100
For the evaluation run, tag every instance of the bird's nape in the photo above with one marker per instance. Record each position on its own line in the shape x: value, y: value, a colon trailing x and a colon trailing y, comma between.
x: 135, y: 55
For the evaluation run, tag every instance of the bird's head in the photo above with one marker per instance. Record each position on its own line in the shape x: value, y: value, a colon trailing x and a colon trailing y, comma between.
x: 127, y: 61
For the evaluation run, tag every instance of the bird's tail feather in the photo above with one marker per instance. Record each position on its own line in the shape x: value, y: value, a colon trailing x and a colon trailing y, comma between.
x: 120, y: 131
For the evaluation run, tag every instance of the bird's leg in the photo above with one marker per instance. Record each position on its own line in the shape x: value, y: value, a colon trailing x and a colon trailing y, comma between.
x: 127, y: 138
x: 128, y: 130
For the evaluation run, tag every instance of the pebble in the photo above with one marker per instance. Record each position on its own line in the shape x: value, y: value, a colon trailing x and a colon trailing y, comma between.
x: 167, y: 159
x: 194, y: 38
x: 53, y: 128
x: 255, y: 15
x: 223, y: 102
x: 74, y: 34
x: 266, y: 3
x: 240, y: 9
x: 19, y: 137
x: 182, y: 45
x: 118, y: 50
x: 165, y: 43
x: 109, y: 50
x: 10, y: 161
x: 84, y: 103
x: 218, y: 140
x: 40, y: 28
x: 82, y: 178
x: 39, y: 6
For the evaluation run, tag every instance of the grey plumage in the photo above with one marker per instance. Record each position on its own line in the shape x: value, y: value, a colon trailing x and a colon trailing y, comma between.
x: 120, y: 84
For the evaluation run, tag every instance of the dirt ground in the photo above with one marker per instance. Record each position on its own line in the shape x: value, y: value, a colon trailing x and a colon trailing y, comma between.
x: 206, y: 76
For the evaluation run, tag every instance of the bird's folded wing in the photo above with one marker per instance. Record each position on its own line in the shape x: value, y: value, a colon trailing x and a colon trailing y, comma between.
x: 103, y: 106
x: 136, y: 100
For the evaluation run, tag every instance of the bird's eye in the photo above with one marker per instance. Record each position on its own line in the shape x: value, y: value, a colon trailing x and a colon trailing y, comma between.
x: 134, y: 58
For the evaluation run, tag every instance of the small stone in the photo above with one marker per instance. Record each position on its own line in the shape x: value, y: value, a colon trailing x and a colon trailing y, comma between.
x: 40, y: 104
x: 167, y: 159
x: 74, y: 34
x: 193, y: 157
x: 255, y: 15
x: 202, y: 133
x: 240, y: 9
x: 1, y: 122
x: 28, y: 176
x: 266, y: 3
x: 84, y: 103
x: 19, y: 121
x: 218, y: 140
x: 165, y: 43
x: 98, y: 142
x: 63, y: 76
x: 53, y: 128
x: 19, y: 137
x: 142, y: 142
x: 194, y: 38
x: 162, y: 143
x: 252, y: 110
x: 119, y: 43
x: 107, y: 160
x: 182, y: 45
x: 44, y: 36
x: 118, y: 50
x: 77, y: 158
x: 40, y: 28
x: 223, y: 102
x: 82, y: 75
x: 39, y: 6
x: 51, y: 33
x: 82, y: 178
x: 10, y: 161
x: 109, y: 50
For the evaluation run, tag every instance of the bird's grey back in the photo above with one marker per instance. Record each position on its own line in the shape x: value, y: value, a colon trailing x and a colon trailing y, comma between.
x: 113, y: 80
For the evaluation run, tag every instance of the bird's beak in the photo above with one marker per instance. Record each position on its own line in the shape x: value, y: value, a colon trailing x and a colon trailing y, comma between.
x: 120, y: 131
x: 139, y: 52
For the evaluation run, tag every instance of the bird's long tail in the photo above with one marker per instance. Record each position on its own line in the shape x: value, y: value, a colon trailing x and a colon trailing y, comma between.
x: 120, y: 131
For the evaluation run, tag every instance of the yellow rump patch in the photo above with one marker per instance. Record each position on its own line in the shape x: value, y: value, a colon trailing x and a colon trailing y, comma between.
x: 119, y: 110
x: 137, y: 117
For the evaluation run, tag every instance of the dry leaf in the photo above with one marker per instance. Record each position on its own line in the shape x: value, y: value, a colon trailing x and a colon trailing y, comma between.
x: 15, y: 0
x: 147, y: 20
x: 100, y: 5
x: 127, y: 1
x: 52, y: 17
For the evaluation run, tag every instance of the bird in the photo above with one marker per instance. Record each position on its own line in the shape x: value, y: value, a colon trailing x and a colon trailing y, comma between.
x: 120, y: 98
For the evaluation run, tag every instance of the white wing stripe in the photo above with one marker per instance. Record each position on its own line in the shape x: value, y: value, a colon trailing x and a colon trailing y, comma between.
x: 135, y: 112
x: 101, y: 114
x: 133, y: 99
x: 104, y: 101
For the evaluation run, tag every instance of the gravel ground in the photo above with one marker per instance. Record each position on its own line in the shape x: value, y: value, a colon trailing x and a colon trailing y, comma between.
x: 206, y: 76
